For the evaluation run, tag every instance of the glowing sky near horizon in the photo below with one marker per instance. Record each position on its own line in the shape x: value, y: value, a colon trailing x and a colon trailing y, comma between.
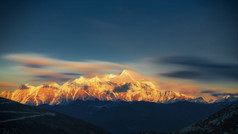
x: 187, y: 45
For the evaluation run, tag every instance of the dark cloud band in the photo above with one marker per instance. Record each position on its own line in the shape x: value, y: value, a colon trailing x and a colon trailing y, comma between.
x: 218, y: 94
x: 201, y: 69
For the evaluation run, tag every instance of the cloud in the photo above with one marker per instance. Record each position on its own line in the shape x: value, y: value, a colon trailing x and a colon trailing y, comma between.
x: 36, y: 61
x: 3, y: 84
x: 208, y: 91
x: 31, y: 60
x: 218, y: 94
x: 43, y: 68
x: 197, y: 62
x: 53, y: 78
x: 200, y: 69
x: 7, y: 86
x: 72, y: 74
x: 182, y: 74
x: 36, y: 71
x: 224, y: 94
x: 39, y: 74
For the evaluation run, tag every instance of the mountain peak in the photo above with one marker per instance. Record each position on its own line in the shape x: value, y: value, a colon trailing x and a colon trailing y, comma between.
x: 50, y: 85
x: 25, y: 86
x: 227, y: 98
x: 126, y: 72
x: 131, y: 73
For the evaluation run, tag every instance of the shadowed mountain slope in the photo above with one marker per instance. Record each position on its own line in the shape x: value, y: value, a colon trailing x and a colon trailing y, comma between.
x: 224, y: 121
x: 17, y: 118
x: 121, y: 117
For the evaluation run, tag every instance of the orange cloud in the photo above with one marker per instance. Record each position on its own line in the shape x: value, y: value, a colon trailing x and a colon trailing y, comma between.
x: 46, y: 75
x: 3, y: 84
x: 7, y: 86
x: 40, y: 61
x: 43, y: 68
x: 30, y: 59
x: 37, y: 71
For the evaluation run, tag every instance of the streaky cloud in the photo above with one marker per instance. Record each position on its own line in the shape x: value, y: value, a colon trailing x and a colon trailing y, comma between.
x: 4, y: 84
x: 218, y: 94
x: 182, y: 74
x: 201, y: 69
x: 83, y: 67
x: 43, y: 68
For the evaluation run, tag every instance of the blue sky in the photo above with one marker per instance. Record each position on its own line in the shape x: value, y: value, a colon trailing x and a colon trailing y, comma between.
x: 141, y: 35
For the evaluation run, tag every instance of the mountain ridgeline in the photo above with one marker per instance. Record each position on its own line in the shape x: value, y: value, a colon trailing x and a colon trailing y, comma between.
x: 126, y: 86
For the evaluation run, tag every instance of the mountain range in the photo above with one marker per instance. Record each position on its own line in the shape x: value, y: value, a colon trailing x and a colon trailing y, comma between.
x: 126, y: 86
x: 125, y: 102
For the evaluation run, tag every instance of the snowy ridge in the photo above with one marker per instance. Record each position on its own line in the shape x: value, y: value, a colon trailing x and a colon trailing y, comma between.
x: 126, y: 86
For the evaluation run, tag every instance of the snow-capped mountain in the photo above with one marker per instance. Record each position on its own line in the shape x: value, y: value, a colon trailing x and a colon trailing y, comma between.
x: 126, y: 86
x: 198, y: 100
x: 227, y: 99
